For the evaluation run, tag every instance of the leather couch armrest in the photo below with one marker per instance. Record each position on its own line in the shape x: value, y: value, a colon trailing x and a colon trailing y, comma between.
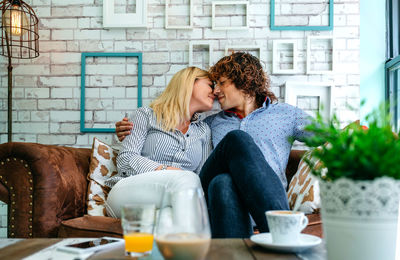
x: 293, y: 163
x: 45, y: 184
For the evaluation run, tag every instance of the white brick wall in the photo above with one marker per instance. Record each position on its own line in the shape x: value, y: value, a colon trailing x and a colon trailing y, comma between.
x: 3, y: 220
x: 47, y: 89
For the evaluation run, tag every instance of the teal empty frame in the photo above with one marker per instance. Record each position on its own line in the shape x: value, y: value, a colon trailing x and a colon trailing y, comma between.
x: 83, y: 72
x: 301, y: 28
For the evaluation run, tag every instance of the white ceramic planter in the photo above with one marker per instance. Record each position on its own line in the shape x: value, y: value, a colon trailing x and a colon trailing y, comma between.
x: 360, y: 218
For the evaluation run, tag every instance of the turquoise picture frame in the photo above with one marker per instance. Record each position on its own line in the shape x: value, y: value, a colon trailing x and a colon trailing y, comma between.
x: 83, y: 82
x: 300, y: 28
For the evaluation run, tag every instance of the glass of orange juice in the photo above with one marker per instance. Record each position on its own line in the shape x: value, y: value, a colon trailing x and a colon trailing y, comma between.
x: 138, y: 228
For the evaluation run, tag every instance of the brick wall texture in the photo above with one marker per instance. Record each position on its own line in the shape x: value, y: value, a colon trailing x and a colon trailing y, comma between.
x: 47, y: 89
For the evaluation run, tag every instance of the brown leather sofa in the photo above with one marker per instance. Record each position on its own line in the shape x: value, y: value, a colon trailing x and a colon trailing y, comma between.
x: 45, y: 189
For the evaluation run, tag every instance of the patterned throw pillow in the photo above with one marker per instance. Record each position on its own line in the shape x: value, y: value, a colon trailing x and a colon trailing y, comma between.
x: 103, y: 165
x: 303, y: 182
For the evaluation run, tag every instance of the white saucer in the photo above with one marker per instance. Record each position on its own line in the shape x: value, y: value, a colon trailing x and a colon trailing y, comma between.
x: 306, y: 241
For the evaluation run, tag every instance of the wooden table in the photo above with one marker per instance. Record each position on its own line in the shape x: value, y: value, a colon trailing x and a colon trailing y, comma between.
x: 235, y: 249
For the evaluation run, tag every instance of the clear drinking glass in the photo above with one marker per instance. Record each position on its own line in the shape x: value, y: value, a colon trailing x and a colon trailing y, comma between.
x: 183, y: 229
x: 138, y: 228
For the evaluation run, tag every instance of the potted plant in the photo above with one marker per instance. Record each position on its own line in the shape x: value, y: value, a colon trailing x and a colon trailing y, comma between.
x: 359, y: 175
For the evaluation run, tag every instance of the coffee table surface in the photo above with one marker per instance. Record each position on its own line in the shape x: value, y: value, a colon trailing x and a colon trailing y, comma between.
x: 240, y: 249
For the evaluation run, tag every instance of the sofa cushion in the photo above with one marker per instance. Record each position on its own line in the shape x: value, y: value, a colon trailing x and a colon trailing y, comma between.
x: 102, y: 166
x: 90, y: 226
x: 305, y: 184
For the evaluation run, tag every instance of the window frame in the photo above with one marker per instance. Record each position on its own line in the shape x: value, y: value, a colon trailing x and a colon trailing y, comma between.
x: 392, y: 64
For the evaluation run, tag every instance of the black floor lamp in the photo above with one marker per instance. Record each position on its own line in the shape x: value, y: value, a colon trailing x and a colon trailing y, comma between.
x: 19, y: 39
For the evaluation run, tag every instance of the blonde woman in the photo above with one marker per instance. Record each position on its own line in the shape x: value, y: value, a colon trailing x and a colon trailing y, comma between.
x: 168, y: 145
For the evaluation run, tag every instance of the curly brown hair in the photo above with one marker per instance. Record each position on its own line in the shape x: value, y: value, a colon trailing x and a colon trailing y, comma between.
x: 246, y: 72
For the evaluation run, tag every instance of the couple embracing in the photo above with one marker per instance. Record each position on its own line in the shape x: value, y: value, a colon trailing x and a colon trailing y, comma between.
x: 238, y: 156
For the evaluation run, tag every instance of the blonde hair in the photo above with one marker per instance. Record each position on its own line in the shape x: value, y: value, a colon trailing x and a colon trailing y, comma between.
x: 172, y: 106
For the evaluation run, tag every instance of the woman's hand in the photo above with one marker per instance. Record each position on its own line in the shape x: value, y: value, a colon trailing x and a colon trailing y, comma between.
x: 168, y: 168
x: 173, y: 168
x: 123, y: 128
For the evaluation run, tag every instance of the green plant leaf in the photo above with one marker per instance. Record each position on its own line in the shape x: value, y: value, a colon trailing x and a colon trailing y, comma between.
x: 355, y: 152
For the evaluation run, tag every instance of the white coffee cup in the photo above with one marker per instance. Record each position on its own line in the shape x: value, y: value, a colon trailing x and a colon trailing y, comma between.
x: 285, y: 225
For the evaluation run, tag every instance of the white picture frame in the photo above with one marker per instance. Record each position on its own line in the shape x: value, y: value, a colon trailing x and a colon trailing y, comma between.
x: 201, y: 43
x: 323, y: 90
x: 276, y: 58
x: 188, y: 27
x: 127, y: 20
x: 310, y: 38
x: 213, y: 19
x: 260, y: 49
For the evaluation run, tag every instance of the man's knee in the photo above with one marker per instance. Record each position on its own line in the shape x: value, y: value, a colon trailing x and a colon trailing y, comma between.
x: 221, y: 187
x: 238, y: 136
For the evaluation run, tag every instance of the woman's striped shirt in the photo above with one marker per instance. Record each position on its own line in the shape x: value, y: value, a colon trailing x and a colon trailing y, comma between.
x: 149, y: 146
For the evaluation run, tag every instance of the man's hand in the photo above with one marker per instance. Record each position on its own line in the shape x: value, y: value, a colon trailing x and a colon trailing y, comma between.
x: 123, y: 128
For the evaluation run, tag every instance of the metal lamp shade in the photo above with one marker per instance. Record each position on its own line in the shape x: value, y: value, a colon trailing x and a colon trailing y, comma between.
x: 19, y: 27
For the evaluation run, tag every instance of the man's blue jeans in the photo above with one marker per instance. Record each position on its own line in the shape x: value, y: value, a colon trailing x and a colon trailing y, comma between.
x: 237, y: 181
